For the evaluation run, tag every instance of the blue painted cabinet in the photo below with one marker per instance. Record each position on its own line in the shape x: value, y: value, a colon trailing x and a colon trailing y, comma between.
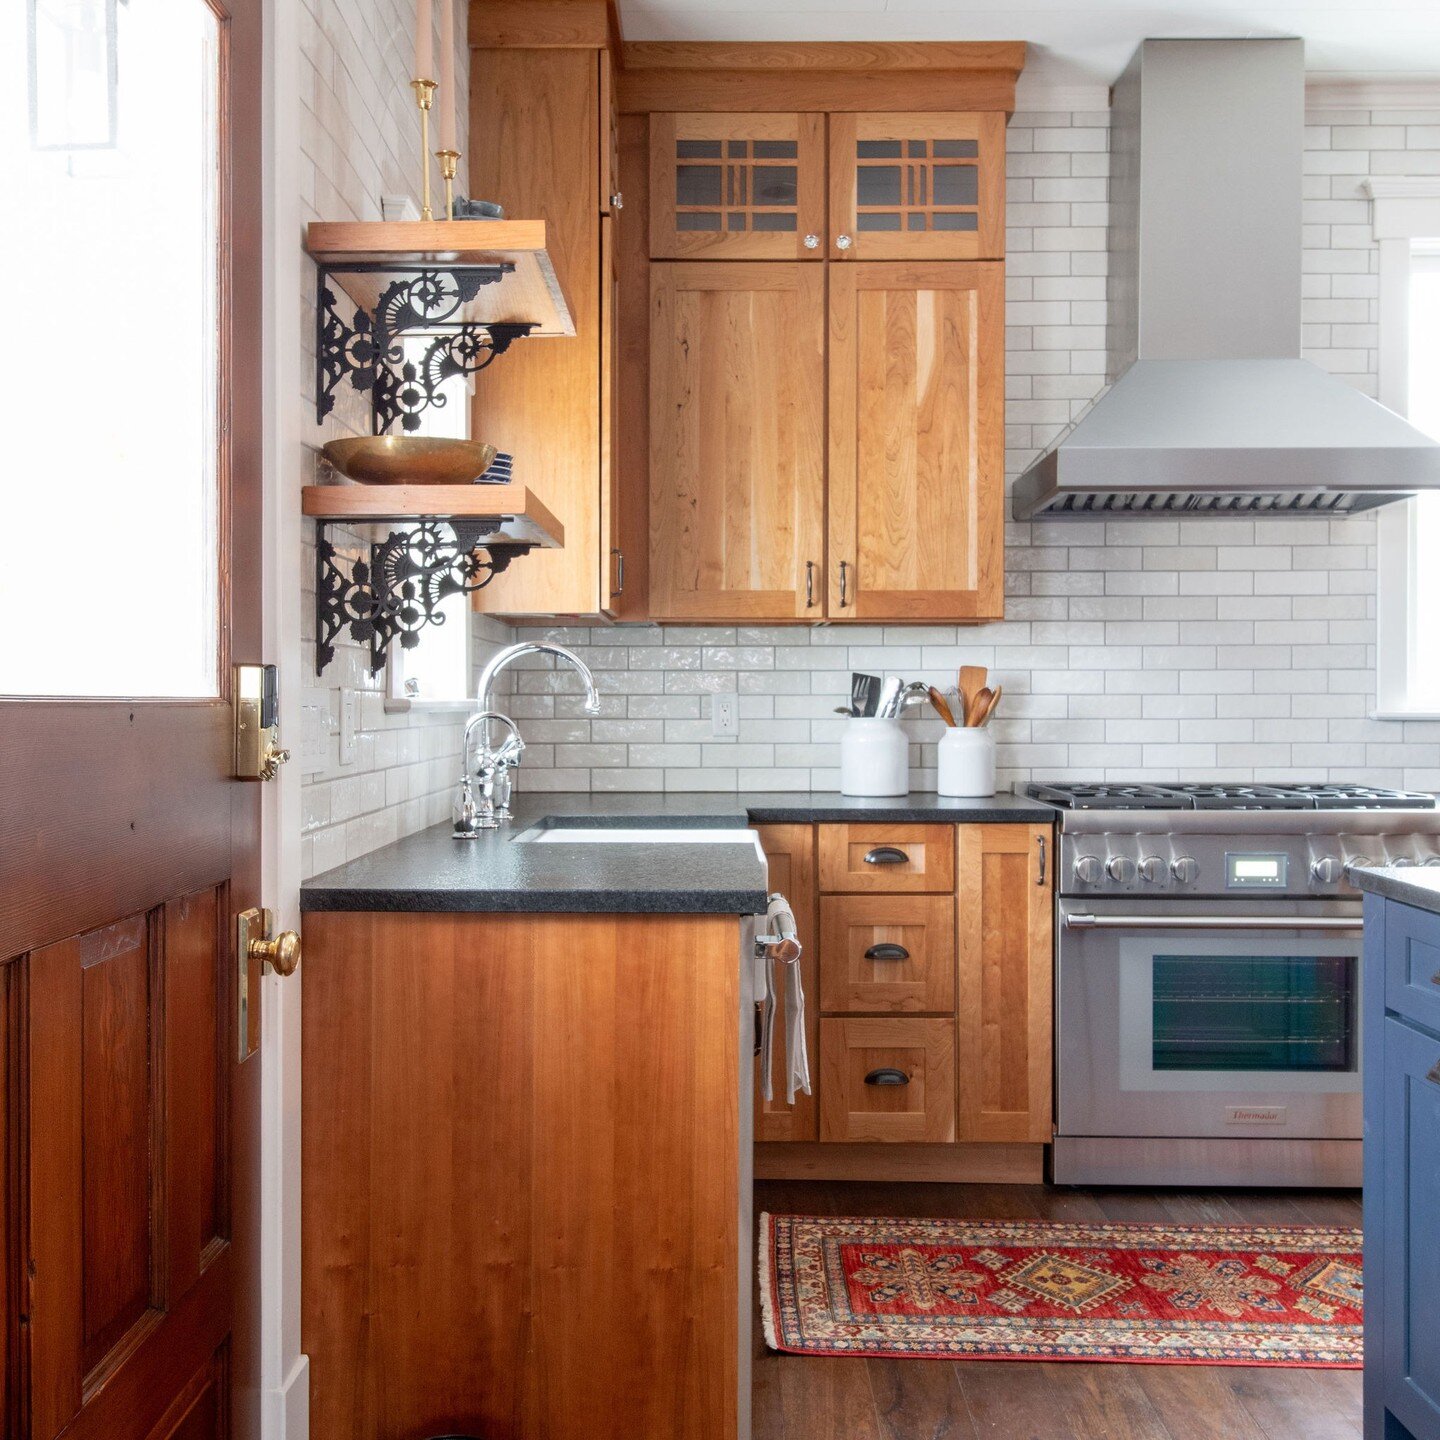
x: 1402, y: 1172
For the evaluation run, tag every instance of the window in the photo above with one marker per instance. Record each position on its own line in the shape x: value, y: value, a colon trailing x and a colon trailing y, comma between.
x: 1406, y: 222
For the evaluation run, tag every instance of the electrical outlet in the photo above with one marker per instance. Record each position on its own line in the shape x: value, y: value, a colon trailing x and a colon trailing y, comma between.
x: 349, y: 713
x: 724, y: 716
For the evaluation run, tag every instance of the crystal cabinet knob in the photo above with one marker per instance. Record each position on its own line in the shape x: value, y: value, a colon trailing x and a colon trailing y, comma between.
x: 1185, y: 869
x: 1121, y: 868
x: 812, y: 242
x: 843, y: 242
x: 1152, y: 869
x: 1327, y: 870
x: 1088, y: 869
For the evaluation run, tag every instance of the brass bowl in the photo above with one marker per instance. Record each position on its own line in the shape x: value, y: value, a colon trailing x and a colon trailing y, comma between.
x: 410, y: 459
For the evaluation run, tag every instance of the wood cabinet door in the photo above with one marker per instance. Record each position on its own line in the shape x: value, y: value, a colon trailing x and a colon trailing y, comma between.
x: 737, y: 397
x: 737, y: 187
x: 925, y: 186
x: 887, y: 954
x: 611, y: 558
x: 1005, y: 928
x: 916, y: 441
x: 790, y: 851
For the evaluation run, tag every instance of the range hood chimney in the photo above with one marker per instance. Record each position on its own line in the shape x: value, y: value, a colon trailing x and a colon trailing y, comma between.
x: 1210, y: 408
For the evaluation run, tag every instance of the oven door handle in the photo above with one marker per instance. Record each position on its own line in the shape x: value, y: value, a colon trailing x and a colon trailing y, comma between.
x: 1084, y: 921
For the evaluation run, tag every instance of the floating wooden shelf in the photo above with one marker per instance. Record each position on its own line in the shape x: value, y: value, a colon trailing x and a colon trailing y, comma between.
x: 524, y: 520
x: 357, y: 254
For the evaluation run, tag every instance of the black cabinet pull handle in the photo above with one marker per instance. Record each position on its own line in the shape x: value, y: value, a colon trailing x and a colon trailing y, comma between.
x: 886, y: 855
x: 887, y: 1076
x: 887, y: 952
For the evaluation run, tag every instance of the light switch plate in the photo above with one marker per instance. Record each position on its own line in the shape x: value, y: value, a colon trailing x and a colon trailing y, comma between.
x: 349, y: 723
x: 315, y: 727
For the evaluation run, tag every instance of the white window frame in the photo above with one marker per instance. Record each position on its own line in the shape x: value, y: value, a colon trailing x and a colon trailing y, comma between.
x: 1404, y: 210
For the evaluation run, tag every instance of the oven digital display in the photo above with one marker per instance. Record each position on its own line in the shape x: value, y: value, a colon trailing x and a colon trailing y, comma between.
x: 1256, y: 872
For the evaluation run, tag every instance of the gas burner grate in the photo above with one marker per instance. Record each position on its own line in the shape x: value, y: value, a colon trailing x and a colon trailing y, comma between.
x: 1223, y: 795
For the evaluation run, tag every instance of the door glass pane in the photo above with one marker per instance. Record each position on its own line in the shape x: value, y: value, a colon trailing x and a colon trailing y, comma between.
x: 108, y: 162
x: 775, y: 184
x: 877, y: 185
x: 697, y: 184
x: 1263, y: 1012
x: 955, y: 185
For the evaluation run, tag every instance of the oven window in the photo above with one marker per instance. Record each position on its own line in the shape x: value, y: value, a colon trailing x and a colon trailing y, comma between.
x: 1254, y: 1012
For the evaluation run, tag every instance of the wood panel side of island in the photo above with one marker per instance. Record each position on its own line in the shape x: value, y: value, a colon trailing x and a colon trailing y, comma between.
x: 522, y: 1173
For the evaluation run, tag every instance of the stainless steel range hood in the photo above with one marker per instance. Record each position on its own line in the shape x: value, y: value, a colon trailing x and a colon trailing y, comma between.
x: 1213, y: 410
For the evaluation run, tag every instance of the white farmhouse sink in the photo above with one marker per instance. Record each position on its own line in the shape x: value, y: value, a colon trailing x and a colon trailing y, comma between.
x: 658, y: 835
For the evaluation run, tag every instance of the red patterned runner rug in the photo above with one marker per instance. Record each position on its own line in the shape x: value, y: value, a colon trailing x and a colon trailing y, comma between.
x: 1287, y: 1295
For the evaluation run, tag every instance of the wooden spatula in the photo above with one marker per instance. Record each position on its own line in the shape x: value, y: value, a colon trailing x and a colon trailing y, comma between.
x: 972, y: 682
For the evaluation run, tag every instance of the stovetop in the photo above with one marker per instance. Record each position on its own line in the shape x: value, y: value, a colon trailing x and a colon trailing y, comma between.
x: 1224, y: 796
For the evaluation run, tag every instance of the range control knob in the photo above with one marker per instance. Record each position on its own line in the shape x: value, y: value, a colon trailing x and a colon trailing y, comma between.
x: 1088, y: 869
x: 1120, y: 868
x: 1432, y: 862
x: 1185, y: 869
x: 1328, y: 870
x: 1152, y: 869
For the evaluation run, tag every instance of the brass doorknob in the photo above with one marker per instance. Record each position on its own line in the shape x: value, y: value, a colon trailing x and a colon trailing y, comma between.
x: 282, y: 954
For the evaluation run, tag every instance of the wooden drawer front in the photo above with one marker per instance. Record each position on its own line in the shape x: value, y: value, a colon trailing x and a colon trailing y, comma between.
x: 892, y: 953
x: 855, y: 1055
x: 862, y: 858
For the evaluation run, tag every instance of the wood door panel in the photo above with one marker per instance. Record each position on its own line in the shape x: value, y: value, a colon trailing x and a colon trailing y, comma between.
x: 917, y: 441
x: 708, y: 181
x: 1005, y: 928
x: 916, y: 974
x: 855, y: 1052
x: 918, y: 186
x: 117, y: 1139
x: 127, y: 1115
x: 736, y: 450
x: 790, y: 852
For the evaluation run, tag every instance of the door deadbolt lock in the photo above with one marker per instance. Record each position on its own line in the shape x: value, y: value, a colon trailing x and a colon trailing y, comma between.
x: 258, y: 753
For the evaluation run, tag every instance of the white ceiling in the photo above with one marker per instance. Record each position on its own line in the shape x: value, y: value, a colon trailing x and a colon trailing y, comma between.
x: 1073, y: 42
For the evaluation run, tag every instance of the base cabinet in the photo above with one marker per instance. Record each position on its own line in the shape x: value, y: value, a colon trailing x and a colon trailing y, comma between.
x: 1402, y: 1171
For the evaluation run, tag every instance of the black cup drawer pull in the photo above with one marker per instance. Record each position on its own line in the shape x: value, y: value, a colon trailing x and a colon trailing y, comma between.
x: 886, y: 855
x: 887, y: 952
x: 887, y: 1076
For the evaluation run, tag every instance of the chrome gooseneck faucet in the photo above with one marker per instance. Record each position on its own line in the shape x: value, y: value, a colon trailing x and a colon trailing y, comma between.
x: 477, y: 815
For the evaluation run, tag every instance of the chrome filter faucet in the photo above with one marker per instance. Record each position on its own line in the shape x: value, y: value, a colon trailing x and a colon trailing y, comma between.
x: 475, y: 816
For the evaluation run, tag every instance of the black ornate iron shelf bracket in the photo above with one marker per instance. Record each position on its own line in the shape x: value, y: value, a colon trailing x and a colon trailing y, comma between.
x: 399, y: 590
x: 422, y: 299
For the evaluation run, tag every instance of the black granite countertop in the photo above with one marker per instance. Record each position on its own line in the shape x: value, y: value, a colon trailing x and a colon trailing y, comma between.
x: 1415, y: 885
x: 433, y: 871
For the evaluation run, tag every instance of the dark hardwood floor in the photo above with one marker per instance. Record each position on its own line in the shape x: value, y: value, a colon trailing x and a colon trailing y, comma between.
x: 813, y: 1398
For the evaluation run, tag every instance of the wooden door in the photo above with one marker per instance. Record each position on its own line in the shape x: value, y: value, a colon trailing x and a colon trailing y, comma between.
x: 790, y: 851
x: 737, y: 187
x: 923, y: 186
x: 737, y: 399
x: 917, y: 441
x: 1005, y: 925
x: 130, y: 1125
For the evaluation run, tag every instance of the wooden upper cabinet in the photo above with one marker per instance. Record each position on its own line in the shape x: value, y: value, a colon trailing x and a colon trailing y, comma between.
x: 916, y: 441
x: 737, y: 482
x: 922, y: 186
x: 737, y: 187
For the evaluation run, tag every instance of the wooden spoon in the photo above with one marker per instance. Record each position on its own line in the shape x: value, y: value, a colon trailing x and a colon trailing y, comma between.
x: 989, y: 709
x: 942, y: 706
x: 972, y: 681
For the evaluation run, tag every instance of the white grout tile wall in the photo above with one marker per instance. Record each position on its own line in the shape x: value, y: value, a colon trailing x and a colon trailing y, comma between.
x: 359, y: 141
x: 1156, y: 649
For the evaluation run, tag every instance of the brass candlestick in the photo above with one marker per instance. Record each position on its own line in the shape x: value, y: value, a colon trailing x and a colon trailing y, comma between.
x: 424, y: 98
x: 449, y: 163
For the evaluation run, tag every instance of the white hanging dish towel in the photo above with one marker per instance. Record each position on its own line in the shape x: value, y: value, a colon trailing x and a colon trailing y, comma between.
x: 797, y: 1054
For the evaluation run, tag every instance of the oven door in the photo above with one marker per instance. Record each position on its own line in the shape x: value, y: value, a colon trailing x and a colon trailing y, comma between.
x: 1233, y: 1018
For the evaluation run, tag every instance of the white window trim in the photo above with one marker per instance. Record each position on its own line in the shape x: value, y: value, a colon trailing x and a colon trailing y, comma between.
x: 1404, y: 209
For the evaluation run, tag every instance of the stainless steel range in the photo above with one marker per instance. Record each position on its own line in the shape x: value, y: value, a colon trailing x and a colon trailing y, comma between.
x: 1208, y: 1005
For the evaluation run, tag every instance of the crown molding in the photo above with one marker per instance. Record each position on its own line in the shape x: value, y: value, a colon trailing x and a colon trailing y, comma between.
x: 1406, y: 207
x: 1372, y: 92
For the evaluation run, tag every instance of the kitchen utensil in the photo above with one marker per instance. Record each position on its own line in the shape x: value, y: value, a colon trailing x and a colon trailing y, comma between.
x: 410, y: 459
x: 989, y: 710
x: 942, y: 706
x: 979, y: 704
x: 972, y: 681
x: 889, y: 704
x: 917, y: 692
x: 864, y: 693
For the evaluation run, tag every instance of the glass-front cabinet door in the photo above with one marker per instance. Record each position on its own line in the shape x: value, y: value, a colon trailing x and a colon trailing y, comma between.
x: 917, y: 187
x: 737, y: 187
